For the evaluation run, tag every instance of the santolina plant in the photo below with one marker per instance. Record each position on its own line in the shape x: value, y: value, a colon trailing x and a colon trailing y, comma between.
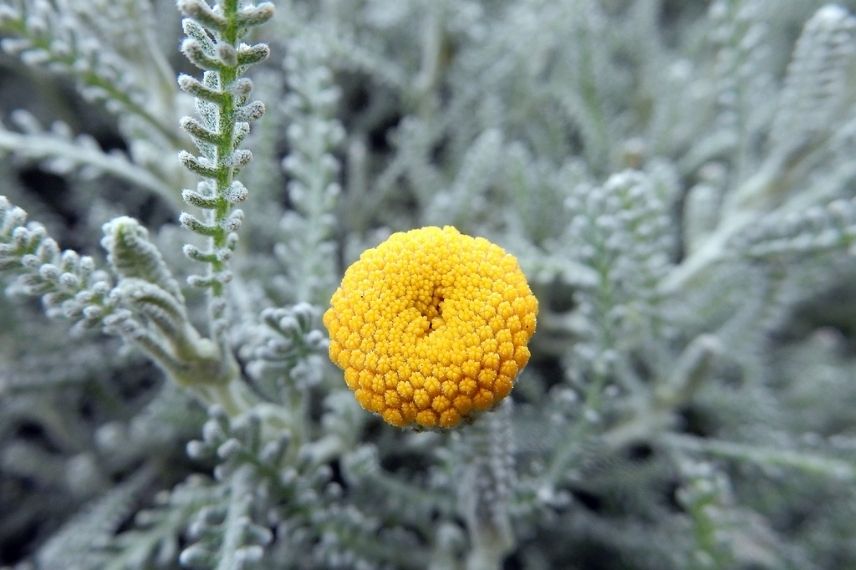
x: 288, y: 350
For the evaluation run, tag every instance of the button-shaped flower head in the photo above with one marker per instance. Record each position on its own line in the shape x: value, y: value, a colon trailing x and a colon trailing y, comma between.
x: 431, y: 327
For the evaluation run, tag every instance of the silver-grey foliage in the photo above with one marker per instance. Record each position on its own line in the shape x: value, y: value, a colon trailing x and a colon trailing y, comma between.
x: 675, y: 178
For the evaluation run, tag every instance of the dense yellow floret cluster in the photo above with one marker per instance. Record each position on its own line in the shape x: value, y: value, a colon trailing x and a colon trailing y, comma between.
x: 431, y: 327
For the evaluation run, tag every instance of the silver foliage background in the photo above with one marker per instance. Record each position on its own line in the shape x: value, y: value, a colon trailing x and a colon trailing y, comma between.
x: 675, y: 177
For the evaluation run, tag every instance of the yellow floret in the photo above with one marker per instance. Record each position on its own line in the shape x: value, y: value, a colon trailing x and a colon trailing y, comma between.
x: 431, y: 327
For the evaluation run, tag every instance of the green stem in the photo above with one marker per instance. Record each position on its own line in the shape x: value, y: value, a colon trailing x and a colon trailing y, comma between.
x: 225, y: 170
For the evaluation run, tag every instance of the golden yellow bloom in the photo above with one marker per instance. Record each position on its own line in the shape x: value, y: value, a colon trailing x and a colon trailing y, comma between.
x: 431, y: 326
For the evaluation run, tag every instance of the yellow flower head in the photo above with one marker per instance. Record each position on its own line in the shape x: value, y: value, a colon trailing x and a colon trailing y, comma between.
x: 431, y: 327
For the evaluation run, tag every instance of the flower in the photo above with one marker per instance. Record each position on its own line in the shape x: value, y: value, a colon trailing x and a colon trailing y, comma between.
x: 431, y: 327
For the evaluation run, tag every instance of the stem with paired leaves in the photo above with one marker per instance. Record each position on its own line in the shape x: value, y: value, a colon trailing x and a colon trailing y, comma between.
x: 224, y: 113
